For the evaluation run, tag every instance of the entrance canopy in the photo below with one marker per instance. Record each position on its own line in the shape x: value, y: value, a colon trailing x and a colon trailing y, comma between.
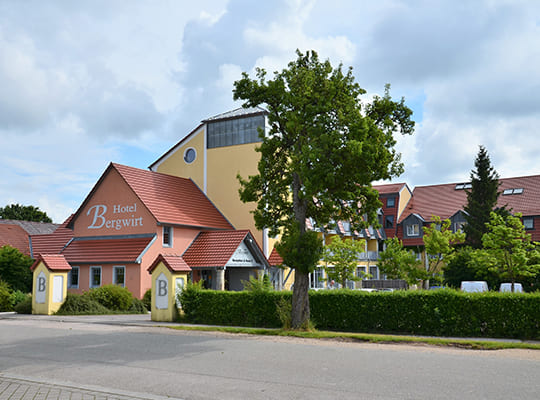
x: 222, y: 249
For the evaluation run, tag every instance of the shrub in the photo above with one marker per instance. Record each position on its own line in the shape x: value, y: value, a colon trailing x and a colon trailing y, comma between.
x: 137, y: 307
x: 24, y: 307
x: 5, y: 297
x: 77, y: 304
x: 434, y: 313
x: 113, y: 297
x: 147, y: 299
x: 17, y: 296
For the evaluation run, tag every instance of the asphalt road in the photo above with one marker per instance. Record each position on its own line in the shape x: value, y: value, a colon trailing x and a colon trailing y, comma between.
x: 133, y: 356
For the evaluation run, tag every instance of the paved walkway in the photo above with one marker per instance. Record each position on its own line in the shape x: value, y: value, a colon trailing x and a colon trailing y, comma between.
x: 17, y: 388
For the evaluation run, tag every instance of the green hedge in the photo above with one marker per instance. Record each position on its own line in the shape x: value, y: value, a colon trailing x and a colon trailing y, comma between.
x: 432, y: 313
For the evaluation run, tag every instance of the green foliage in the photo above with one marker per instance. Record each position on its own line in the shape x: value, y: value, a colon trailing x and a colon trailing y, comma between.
x: 342, y: 258
x: 261, y: 283
x: 461, y: 268
x: 113, y: 297
x: 147, y: 299
x: 481, y: 199
x: 23, y: 213
x: 24, y: 306
x: 5, y: 297
x: 398, y: 263
x: 15, y: 269
x: 300, y: 251
x: 440, y: 242
x: 244, y: 308
x: 137, y: 307
x: 318, y: 125
x: 425, y: 312
x: 508, y: 249
x: 77, y: 304
x: 284, y: 308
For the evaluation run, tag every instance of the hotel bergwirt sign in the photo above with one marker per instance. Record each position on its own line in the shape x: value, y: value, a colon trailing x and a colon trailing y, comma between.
x: 117, y: 217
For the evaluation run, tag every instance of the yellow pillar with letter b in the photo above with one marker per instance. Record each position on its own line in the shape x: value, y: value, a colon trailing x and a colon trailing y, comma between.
x: 169, y: 277
x: 49, y: 284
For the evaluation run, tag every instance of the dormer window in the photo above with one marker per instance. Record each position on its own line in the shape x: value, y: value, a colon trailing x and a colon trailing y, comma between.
x: 391, y: 202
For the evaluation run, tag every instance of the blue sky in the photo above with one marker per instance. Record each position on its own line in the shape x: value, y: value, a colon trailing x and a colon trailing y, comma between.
x: 89, y: 82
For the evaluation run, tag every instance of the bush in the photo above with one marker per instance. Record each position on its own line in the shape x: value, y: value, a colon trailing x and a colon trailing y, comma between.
x: 24, y: 307
x: 113, y: 297
x: 147, y: 299
x: 434, y: 313
x: 5, y: 297
x: 137, y: 307
x: 248, y: 308
x: 81, y: 304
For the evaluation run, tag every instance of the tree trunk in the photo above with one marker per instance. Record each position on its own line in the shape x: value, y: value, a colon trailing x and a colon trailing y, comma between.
x: 300, y: 301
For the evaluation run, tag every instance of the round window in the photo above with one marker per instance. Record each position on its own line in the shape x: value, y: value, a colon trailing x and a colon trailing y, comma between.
x: 190, y: 155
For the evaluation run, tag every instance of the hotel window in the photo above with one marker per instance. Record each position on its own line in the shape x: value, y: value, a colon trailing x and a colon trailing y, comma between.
x: 119, y: 275
x: 234, y: 131
x: 390, y: 202
x: 374, y: 271
x: 361, y: 272
x: 528, y: 223
x: 73, y: 278
x: 167, y: 236
x: 95, y: 277
x: 413, y: 230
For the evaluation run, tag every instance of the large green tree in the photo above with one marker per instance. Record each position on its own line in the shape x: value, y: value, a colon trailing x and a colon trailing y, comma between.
x: 508, y: 248
x: 15, y: 269
x: 23, y: 213
x: 323, y: 149
x: 440, y: 242
x: 481, y: 199
x: 341, y: 256
x: 397, y: 262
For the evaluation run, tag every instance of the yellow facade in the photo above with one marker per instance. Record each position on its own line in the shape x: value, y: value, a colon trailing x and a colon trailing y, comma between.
x: 215, y: 172
x: 176, y: 165
x: 48, y: 290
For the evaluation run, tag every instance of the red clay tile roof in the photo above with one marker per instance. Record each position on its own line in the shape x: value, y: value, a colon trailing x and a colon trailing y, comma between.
x: 214, y: 249
x: 389, y: 188
x: 173, y: 262
x: 170, y: 199
x: 52, y: 243
x: 445, y: 200
x: 53, y: 262
x: 110, y: 249
x: 14, y: 236
x: 275, y: 258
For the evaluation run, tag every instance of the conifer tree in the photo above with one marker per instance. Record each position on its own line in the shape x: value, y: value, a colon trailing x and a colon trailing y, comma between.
x: 481, y: 199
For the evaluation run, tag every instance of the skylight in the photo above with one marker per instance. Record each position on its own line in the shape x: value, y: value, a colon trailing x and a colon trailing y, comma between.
x: 513, y: 191
x: 461, y: 186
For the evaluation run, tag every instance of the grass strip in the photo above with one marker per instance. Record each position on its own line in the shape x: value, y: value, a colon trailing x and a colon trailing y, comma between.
x: 473, y: 344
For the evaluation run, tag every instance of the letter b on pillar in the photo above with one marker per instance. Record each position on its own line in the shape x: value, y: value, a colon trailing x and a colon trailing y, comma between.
x: 162, y: 292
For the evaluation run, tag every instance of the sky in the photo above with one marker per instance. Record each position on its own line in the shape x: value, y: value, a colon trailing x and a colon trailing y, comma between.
x: 88, y: 82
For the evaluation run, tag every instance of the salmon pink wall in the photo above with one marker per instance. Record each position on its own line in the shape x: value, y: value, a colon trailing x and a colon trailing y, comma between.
x: 113, y: 209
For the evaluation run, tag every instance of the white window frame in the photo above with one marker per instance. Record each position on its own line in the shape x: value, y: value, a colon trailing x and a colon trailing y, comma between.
x: 170, y: 242
x: 528, y: 223
x: 90, y: 281
x: 411, y: 231
x: 115, y: 274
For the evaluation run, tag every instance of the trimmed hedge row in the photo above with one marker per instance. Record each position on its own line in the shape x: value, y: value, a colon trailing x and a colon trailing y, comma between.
x: 432, y: 313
